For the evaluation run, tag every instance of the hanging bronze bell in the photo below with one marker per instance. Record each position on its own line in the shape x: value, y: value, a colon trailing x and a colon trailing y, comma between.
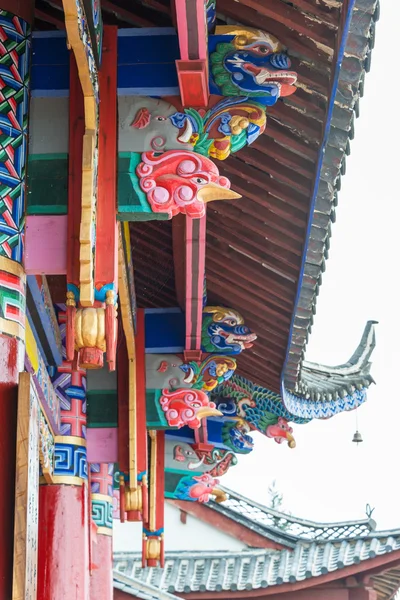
x: 357, y: 438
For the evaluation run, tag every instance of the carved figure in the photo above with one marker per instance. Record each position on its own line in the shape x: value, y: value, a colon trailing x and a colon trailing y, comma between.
x: 145, y: 125
x: 199, y: 489
x: 235, y: 435
x: 183, y: 457
x: 217, y: 461
x: 223, y: 330
x: 91, y: 332
x: 187, y: 407
x: 226, y: 128
x: 281, y: 432
x: 250, y: 63
x: 170, y: 371
x: 181, y: 182
x: 255, y: 407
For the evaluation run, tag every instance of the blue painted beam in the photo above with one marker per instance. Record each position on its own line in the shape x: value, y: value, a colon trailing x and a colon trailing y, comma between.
x: 146, y: 63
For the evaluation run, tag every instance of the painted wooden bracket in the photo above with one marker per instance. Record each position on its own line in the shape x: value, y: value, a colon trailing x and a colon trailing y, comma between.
x: 195, y: 242
x: 127, y: 303
x: 80, y: 41
x: 192, y: 68
x: 193, y: 82
x: 153, y: 530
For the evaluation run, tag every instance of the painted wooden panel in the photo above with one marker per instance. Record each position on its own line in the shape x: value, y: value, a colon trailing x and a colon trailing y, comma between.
x: 102, y: 444
x: 46, y: 244
x: 26, y: 492
x: 137, y: 49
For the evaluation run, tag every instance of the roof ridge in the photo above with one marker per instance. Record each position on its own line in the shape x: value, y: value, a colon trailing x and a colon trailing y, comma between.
x: 363, y: 524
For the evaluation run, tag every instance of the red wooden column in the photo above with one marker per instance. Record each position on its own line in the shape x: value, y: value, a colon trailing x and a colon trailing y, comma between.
x: 15, y: 46
x: 106, y: 276
x: 63, y: 554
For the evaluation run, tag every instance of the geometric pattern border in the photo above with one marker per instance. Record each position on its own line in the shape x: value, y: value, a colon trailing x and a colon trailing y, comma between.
x: 70, y: 463
x: 12, y: 296
x: 15, y: 48
x: 102, y: 513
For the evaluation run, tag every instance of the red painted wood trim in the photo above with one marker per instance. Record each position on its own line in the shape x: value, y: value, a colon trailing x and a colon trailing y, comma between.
x: 160, y: 479
x: 123, y: 403
x: 76, y: 133
x: 179, y: 251
x: 192, y: 30
x: 8, y: 430
x: 21, y: 8
x: 101, y: 581
x: 189, y: 282
x: 195, y: 239
x: 385, y: 561
x: 200, y: 278
x: 141, y: 446
x: 225, y: 524
x: 107, y: 233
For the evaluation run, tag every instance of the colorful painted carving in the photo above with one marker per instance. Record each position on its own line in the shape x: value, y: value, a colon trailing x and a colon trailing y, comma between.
x: 152, y: 125
x: 254, y: 408
x: 92, y: 331
x: 199, y: 489
x: 15, y: 67
x: 225, y: 128
x: 211, y: 14
x: 217, y: 461
x: 170, y: 371
x: 95, y: 24
x: 250, y: 62
x: 187, y: 407
x: 223, y: 330
x: 235, y: 435
x: 182, y: 456
x: 181, y: 182
x: 281, y: 432
x: 147, y: 125
x: 185, y: 457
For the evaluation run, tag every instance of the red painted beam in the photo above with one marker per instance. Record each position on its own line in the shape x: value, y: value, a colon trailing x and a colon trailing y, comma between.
x: 123, y: 403
x: 193, y: 66
x: 106, y: 270
x: 195, y: 238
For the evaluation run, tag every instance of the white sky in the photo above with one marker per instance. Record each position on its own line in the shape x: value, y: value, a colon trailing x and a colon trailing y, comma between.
x: 327, y: 477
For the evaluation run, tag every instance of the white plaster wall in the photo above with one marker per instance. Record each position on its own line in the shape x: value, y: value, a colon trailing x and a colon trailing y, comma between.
x: 194, y: 535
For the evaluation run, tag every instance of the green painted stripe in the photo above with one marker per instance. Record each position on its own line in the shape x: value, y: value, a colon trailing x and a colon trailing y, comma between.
x: 47, y: 184
x: 102, y: 408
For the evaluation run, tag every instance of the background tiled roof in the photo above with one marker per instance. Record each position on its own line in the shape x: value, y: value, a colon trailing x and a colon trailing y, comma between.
x: 252, y: 569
